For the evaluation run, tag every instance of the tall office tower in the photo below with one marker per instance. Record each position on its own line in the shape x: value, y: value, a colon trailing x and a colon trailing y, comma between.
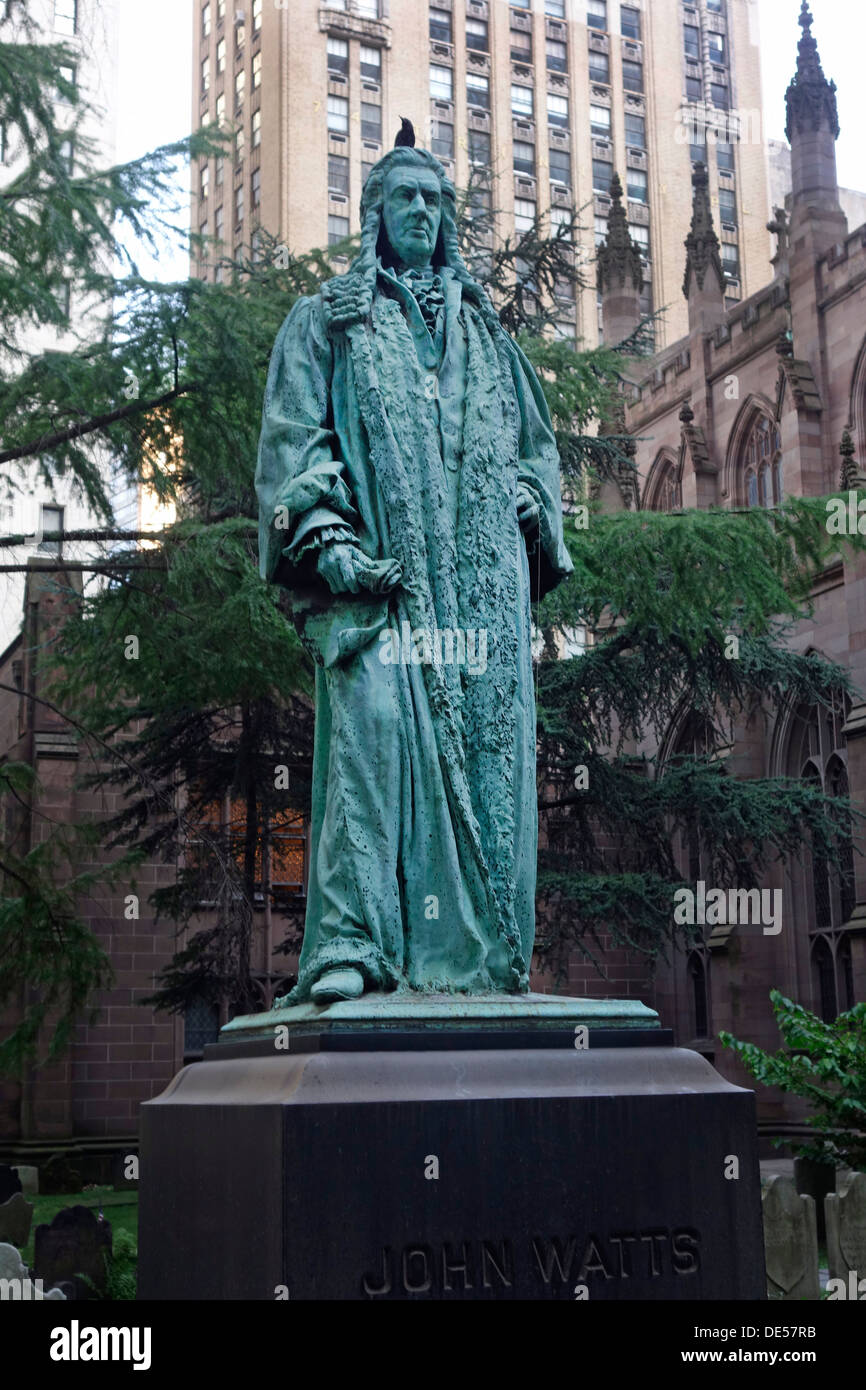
x: 89, y: 27
x: 552, y: 95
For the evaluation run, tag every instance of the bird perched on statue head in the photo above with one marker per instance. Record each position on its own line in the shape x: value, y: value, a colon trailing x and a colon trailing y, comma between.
x: 406, y: 134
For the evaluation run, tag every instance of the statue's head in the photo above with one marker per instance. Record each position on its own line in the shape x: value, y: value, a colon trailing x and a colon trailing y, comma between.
x: 408, y: 218
x: 409, y: 205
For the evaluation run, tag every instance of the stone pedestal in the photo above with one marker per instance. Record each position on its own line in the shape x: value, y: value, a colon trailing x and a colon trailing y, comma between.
x: 533, y: 1148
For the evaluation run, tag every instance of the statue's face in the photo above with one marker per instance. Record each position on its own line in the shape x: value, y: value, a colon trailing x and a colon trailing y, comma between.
x: 412, y: 210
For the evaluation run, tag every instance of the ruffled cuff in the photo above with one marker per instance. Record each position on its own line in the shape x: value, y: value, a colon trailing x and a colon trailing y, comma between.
x: 318, y: 539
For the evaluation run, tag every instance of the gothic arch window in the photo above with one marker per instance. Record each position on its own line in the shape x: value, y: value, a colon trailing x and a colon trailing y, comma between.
x: 664, y: 488
x: 761, y: 464
x: 818, y: 754
x: 698, y: 972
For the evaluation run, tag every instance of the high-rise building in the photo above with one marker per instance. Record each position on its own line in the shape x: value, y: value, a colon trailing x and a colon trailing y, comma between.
x: 552, y: 95
x: 89, y: 28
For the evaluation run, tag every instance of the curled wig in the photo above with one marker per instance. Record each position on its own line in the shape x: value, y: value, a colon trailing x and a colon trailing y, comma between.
x: 349, y: 297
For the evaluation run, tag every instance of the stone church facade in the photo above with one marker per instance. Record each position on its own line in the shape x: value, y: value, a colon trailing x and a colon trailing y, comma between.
x: 761, y: 401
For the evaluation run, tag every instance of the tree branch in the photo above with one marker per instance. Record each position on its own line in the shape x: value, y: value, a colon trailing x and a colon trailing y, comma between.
x: 98, y: 422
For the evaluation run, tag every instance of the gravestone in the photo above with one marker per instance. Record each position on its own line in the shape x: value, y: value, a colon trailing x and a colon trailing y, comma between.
x: 16, y: 1216
x: 10, y: 1182
x: 29, y: 1179
x: 846, y: 1229
x: 15, y: 1280
x: 816, y: 1180
x: 76, y: 1243
x: 790, y: 1241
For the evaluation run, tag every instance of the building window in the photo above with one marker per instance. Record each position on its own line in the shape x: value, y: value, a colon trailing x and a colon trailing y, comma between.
x: 725, y: 156
x: 442, y: 139
x: 67, y: 155
x: 221, y: 11
x: 629, y: 22
x: 718, y: 52
x: 635, y: 131
x: 694, y: 89
x: 221, y: 108
x: 700, y: 1011
x: 479, y: 148
x: 596, y: 14
x: 371, y: 121
x: 68, y: 74
x: 240, y: 85
x: 692, y: 41
x: 338, y: 115
x: 599, y: 67
x: 203, y: 181
x: 698, y: 145
x: 338, y: 173
x: 521, y: 46
x: 205, y: 21
x: 632, y: 76
x: 636, y: 184
x: 239, y: 205
x: 728, y: 206
x: 441, y: 83
x: 641, y: 237
x: 557, y: 56
x: 763, y: 447
x: 600, y: 230
x: 338, y: 56
x: 560, y: 167
x: 371, y: 63
x: 205, y: 76
x: 555, y: 8
x: 719, y: 95
x: 602, y: 173
x: 257, y: 128
x: 257, y: 70
x: 599, y: 121
x: 521, y: 100
x: 338, y: 229
x: 65, y: 16
x: 476, y: 35
x: 478, y: 90
x: 257, y: 15
x: 667, y: 497
x: 715, y: 6
x: 731, y: 260
x: 525, y: 213
x: 557, y: 111
x: 440, y: 25
x: 560, y: 223
x: 221, y: 56
x: 369, y: 9
x: 51, y: 519
x: 524, y: 157
x: 201, y: 1027
x: 256, y: 188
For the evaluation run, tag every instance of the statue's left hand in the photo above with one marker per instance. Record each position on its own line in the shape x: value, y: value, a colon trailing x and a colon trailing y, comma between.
x: 528, y: 510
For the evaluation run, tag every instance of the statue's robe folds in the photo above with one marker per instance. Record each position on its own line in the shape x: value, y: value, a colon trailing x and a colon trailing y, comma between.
x: 424, y: 815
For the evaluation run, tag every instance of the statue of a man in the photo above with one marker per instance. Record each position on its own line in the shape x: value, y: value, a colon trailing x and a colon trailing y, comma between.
x: 408, y: 480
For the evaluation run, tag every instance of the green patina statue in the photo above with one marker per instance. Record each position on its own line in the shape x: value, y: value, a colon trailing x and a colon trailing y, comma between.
x: 409, y: 488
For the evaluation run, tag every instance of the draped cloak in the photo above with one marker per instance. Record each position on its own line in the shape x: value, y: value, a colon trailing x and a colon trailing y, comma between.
x: 424, y: 817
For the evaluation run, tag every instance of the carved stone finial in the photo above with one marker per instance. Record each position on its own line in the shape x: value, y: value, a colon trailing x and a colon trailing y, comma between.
x: 618, y: 256
x: 848, y: 473
x: 702, y: 243
x: 810, y: 98
x: 687, y: 415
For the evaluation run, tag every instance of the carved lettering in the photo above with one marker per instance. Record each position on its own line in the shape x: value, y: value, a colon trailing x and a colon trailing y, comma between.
x: 502, y: 1263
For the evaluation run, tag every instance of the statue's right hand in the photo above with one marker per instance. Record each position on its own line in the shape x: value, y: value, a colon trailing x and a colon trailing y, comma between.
x: 346, y: 569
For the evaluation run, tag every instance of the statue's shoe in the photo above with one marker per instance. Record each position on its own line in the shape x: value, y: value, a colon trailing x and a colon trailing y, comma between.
x: 337, y: 984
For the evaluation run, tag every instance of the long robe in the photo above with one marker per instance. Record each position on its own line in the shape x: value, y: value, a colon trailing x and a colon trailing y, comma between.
x: 424, y: 818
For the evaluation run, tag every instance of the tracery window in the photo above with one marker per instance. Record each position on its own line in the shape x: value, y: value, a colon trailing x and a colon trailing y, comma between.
x: 762, y: 464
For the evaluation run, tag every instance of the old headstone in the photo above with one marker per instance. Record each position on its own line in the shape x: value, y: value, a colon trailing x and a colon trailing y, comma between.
x: 816, y: 1180
x: 16, y: 1216
x: 790, y: 1241
x: 10, y: 1182
x: 28, y: 1176
x: 846, y: 1230
x: 15, y: 1281
x: 77, y: 1243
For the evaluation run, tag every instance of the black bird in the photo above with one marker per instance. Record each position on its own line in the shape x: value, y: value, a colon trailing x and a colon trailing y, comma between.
x: 406, y: 134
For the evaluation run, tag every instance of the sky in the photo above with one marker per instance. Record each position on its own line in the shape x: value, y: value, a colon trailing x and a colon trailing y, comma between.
x: 156, y: 58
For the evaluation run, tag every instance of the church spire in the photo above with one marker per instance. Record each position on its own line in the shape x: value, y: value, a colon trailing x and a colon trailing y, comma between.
x: 620, y: 272
x: 702, y: 244
x: 810, y: 98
